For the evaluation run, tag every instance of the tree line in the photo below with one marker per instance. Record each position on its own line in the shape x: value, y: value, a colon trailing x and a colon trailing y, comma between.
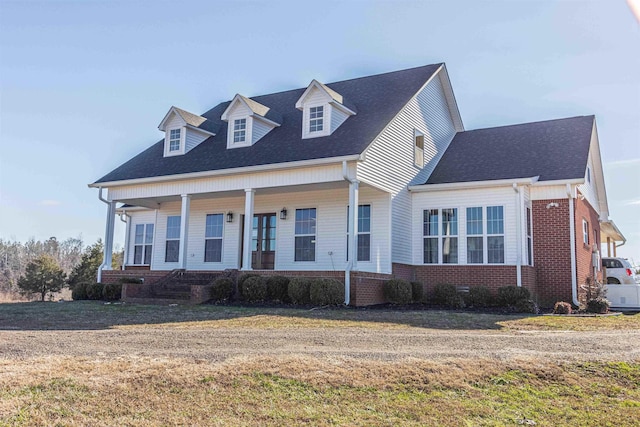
x: 43, y: 267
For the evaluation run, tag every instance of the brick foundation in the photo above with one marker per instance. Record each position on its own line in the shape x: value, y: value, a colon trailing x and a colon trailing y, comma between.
x: 584, y: 267
x: 150, y: 277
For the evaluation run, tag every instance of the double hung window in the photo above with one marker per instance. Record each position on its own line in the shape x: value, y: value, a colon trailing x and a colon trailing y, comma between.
x: 213, y: 238
x: 143, y: 244
x: 475, y: 241
x: 495, y: 234
x: 364, y: 233
x: 174, y: 140
x: 316, y: 119
x: 440, y: 232
x: 239, y: 130
x: 305, y: 235
x: 172, y: 249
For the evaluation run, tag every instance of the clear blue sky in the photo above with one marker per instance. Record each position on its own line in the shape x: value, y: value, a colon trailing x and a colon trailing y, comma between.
x: 84, y: 84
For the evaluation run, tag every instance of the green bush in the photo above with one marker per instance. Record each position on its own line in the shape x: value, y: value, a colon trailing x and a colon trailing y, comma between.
x: 598, y: 305
x: 221, y: 289
x: 397, y: 291
x: 112, y: 291
x: 277, y: 287
x: 448, y: 296
x: 562, y: 307
x: 478, y: 296
x: 79, y: 291
x: 526, y: 306
x: 244, y: 277
x: 254, y: 289
x: 298, y: 290
x: 134, y: 280
x: 417, y: 292
x: 512, y: 295
x: 326, y: 292
x: 94, y: 291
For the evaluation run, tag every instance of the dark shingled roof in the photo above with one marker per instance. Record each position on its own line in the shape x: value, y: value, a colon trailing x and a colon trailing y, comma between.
x: 552, y: 150
x: 377, y: 98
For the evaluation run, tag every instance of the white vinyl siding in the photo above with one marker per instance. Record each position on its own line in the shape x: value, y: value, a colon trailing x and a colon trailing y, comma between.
x: 338, y: 117
x: 193, y: 138
x: 259, y: 130
x: 330, y: 207
x: 389, y: 160
x: 214, y: 226
x: 463, y: 199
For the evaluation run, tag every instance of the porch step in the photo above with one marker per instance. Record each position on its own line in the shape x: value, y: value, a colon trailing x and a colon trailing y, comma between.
x: 172, y: 291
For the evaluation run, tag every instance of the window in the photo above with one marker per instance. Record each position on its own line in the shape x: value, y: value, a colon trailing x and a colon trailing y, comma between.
x: 430, y: 233
x: 588, y: 174
x: 173, y: 239
x: 449, y: 236
x: 239, y: 130
x: 143, y: 244
x: 364, y: 233
x: 213, y: 238
x: 475, y: 246
x: 174, y: 140
x: 495, y: 234
x: 305, y: 235
x: 316, y: 119
x: 529, y: 238
x: 419, y: 149
x: 585, y: 231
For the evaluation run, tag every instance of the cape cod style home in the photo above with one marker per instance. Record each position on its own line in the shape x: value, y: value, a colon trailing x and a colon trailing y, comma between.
x: 266, y: 183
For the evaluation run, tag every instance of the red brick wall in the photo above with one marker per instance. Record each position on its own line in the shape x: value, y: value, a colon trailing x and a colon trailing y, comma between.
x: 150, y: 277
x: 552, y: 251
x: 404, y: 271
x: 584, y: 211
x: 491, y: 276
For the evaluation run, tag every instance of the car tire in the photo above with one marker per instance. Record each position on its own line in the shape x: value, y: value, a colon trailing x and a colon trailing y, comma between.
x: 612, y: 281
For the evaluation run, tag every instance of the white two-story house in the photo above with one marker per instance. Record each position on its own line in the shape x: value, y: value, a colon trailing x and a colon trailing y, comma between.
x: 268, y: 183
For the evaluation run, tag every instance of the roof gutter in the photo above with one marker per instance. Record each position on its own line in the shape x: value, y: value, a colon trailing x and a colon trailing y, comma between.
x: 473, y: 184
x: 232, y: 171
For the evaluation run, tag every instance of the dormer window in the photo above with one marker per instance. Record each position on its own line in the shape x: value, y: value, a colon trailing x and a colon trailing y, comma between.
x: 174, y: 140
x: 316, y: 119
x: 239, y: 130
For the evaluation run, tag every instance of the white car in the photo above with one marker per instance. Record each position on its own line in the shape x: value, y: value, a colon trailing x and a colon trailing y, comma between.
x: 619, y: 271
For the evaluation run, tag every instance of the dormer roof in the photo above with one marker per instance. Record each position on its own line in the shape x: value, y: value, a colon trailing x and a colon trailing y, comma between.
x: 190, y: 120
x: 258, y: 110
x: 336, y: 98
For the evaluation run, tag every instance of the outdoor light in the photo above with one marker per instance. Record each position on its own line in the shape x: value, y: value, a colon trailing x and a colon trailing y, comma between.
x: 229, y: 216
x: 283, y: 213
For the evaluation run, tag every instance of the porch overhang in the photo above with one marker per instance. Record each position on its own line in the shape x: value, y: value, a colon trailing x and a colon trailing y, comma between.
x: 609, y: 235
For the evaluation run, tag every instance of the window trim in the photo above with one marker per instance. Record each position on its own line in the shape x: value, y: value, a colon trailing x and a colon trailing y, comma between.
x: 326, y: 120
x: 248, y: 131
x: 181, y: 141
x: 172, y: 239
x: 358, y: 233
x: 418, y: 152
x: 440, y: 237
x: 237, y: 132
x: 221, y: 238
x: 144, y: 245
x: 585, y: 231
x: 315, y: 240
x: 529, y: 234
x: 319, y: 121
x: 503, y: 234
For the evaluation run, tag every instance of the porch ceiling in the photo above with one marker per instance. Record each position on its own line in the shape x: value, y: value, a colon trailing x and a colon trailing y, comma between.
x: 608, y: 229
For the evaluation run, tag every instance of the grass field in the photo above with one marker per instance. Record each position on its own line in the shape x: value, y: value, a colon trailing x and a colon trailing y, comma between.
x: 296, y: 389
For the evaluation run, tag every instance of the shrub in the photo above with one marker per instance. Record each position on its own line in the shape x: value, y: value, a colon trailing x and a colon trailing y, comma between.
x: 478, y: 296
x: 417, y: 292
x: 277, y: 287
x: 526, y: 306
x: 326, y: 292
x: 221, y: 289
x: 448, y: 296
x: 598, y: 305
x: 562, y: 307
x: 512, y: 295
x: 79, y: 291
x: 254, y: 289
x: 112, y: 291
x: 397, y: 291
x: 135, y: 280
x: 94, y: 291
x: 244, y: 277
x: 298, y: 290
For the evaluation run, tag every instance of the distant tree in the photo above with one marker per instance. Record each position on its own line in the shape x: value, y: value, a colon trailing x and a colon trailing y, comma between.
x: 85, y: 271
x: 43, y: 276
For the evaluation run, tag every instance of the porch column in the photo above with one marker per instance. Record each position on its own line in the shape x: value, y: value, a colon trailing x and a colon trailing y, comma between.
x: 248, y: 227
x: 354, y: 189
x: 608, y: 246
x: 108, y: 235
x: 184, y: 230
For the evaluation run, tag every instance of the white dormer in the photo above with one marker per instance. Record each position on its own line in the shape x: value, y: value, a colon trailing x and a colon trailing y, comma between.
x: 183, y: 131
x: 248, y: 121
x: 323, y: 110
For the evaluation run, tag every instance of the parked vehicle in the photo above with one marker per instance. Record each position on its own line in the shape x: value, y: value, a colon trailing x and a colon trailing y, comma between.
x: 619, y: 271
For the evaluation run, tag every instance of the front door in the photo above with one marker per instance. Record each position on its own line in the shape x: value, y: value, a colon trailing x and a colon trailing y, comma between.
x: 263, y: 241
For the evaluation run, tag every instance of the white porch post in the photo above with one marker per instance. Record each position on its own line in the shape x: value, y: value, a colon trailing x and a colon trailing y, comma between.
x: 354, y: 190
x: 248, y: 227
x: 125, y: 256
x: 184, y: 230
x: 108, y: 237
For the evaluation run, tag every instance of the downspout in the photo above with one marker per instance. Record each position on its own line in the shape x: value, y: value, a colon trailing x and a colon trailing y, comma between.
x: 518, y: 236
x: 572, y: 237
x: 347, y: 270
x: 104, y: 259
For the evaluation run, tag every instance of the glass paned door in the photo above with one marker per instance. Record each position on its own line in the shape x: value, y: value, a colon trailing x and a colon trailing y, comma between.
x: 263, y: 241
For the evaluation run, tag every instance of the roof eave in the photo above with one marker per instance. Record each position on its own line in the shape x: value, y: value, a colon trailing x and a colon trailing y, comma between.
x: 473, y: 184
